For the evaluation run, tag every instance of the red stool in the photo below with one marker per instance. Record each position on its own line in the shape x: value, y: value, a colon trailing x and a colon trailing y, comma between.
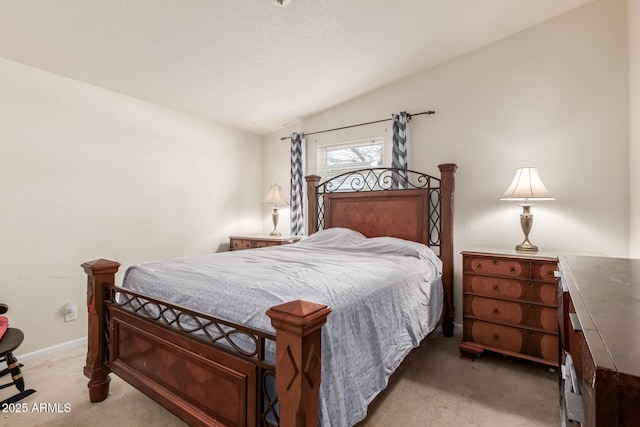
x: 11, y: 340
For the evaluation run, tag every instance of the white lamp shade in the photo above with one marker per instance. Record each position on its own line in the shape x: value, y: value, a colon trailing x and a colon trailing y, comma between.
x: 526, y: 186
x: 275, y: 197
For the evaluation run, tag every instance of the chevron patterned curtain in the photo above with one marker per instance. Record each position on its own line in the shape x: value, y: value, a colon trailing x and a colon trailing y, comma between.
x: 400, y: 151
x: 297, y: 183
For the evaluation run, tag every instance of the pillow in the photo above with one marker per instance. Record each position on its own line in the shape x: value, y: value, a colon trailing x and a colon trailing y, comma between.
x: 334, y: 237
x: 4, y: 324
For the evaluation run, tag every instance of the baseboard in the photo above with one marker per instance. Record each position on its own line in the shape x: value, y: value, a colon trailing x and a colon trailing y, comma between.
x: 53, y: 349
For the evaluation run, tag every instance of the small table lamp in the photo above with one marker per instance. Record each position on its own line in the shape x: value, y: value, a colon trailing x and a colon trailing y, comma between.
x: 527, y: 186
x: 275, y: 198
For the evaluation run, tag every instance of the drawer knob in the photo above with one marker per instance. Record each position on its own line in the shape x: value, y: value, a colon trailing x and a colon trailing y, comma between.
x: 495, y: 310
x: 531, y: 307
x: 495, y: 262
x: 496, y: 337
x: 496, y: 288
x: 512, y: 269
x: 478, y: 266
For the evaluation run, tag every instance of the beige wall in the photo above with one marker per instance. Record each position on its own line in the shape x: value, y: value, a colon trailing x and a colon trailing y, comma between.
x: 553, y: 96
x: 634, y: 122
x: 88, y: 173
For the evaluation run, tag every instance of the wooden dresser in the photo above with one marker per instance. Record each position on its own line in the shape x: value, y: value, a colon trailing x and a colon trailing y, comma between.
x: 599, y: 314
x: 259, y: 241
x: 510, y: 306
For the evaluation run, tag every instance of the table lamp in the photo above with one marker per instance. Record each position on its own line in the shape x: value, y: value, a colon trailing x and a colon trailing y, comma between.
x: 526, y: 187
x: 275, y: 198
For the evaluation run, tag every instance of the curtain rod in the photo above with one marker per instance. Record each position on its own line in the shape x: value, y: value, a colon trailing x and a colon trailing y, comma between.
x: 359, y: 124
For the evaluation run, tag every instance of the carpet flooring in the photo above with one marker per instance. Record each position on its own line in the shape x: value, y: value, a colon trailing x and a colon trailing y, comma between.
x: 435, y: 388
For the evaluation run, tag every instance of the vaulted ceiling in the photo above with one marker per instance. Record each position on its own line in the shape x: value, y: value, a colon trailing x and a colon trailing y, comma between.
x: 252, y: 64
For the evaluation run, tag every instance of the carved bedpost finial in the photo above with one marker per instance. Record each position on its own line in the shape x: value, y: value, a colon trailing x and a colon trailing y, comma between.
x: 298, y: 360
x: 100, y: 273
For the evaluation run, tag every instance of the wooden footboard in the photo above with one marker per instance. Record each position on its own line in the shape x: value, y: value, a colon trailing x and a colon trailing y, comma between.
x: 186, y: 361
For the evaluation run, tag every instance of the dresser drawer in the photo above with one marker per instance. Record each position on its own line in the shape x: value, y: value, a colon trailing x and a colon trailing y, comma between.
x: 497, y: 266
x: 517, y: 313
x: 498, y: 336
x: 512, y: 339
x: 544, y: 271
x: 237, y: 244
x: 250, y: 242
x: 265, y: 243
x: 510, y: 288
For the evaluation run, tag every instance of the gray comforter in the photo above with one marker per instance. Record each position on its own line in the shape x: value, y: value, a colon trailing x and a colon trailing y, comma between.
x: 385, y: 295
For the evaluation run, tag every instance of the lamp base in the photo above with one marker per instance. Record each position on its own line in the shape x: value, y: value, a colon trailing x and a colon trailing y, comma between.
x: 526, y: 247
x: 526, y: 221
x: 274, y: 217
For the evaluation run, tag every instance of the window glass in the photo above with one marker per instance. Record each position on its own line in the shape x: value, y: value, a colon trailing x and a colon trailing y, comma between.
x: 337, y: 159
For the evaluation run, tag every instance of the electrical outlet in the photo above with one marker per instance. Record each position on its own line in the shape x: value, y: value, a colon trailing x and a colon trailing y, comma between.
x: 70, y: 312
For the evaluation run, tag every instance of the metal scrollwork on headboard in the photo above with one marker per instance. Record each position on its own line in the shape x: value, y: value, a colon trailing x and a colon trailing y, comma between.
x: 385, y: 179
x: 378, y: 179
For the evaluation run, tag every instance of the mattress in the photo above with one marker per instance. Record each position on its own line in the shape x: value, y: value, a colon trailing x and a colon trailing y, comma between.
x: 385, y: 294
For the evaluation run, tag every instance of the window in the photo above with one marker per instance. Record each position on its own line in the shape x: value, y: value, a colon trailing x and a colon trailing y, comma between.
x: 337, y: 159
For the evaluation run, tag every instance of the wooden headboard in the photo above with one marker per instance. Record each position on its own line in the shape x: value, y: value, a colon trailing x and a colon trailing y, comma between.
x: 391, y: 202
x: 380, y: 213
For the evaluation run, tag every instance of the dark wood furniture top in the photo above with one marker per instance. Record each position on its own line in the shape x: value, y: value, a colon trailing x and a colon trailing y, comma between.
x: 509, y: 305
x: 248, y: 241
x: 229, y: 387
x: 600, y: 336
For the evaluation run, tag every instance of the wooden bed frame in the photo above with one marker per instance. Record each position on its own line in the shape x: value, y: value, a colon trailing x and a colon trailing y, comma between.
x: 199, y: 373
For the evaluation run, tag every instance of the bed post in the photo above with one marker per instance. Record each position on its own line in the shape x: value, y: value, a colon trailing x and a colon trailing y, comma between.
x: 447, y: 187
x: 100, y: 273
x: 298, y: 360
x: 312, y: 203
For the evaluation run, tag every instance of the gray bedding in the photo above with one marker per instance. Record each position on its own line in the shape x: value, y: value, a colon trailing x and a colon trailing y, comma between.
x: 385, y: 295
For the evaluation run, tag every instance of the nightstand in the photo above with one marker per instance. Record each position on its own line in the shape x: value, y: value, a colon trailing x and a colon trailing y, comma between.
x: 510, y: 305
x: 259, y: 241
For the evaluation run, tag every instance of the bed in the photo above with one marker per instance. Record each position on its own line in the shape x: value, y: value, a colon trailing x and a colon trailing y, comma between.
x: 211, y: 357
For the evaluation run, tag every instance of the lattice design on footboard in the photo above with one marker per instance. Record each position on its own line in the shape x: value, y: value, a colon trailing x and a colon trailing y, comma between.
x: 250, y: 344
